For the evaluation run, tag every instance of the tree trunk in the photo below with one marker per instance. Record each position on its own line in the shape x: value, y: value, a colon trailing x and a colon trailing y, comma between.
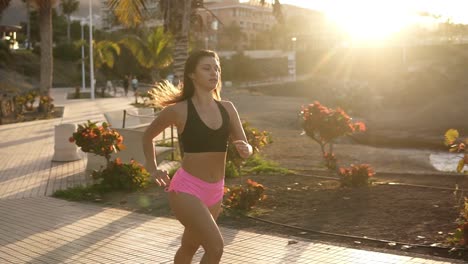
x: 45, y: 24
x: 181, y: 42
x: 180, y: 56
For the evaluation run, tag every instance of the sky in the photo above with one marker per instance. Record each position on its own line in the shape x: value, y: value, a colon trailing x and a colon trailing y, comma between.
x: 456, y: 10
x: 377, y: 20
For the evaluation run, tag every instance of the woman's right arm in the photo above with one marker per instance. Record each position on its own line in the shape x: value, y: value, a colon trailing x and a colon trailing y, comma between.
x: 164, y: 119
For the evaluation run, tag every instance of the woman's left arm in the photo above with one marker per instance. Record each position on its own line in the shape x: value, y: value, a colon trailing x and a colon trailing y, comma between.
x: 237, y: 133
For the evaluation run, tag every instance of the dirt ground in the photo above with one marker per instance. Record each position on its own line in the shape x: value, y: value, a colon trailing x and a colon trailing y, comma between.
x: 308, y: 205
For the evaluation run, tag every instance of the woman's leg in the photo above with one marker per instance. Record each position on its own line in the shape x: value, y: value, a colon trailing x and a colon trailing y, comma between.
x: 200, y: 228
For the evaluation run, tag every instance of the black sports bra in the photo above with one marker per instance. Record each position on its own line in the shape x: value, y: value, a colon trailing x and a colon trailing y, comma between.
x: 198, y: 137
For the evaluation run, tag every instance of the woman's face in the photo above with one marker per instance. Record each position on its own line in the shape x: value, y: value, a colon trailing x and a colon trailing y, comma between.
x: 207, y: 74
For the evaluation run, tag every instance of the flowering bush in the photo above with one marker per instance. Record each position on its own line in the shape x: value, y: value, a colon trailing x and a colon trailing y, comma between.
x: 324, y: 125
x: 243, y: 198
x: 456, y: 144
x: 20, y: 104
x: 356, y: 175
x: 45, y: 99
x: 123, y: 176
x: 30, y: 99
x: 255, y: 138
x: 460, y: 236
x: 100, y: 140
x: 45, y: 104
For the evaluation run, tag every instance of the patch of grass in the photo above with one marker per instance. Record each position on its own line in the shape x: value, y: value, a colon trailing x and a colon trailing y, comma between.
x: 80, y: 193
x: 258, y: 165
x: 87, y: 95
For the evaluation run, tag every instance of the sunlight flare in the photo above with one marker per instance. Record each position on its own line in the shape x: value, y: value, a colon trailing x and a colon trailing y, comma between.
x: 368, y: 20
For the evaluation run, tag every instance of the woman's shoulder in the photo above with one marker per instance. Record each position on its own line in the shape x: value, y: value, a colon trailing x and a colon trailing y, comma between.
x: 177, y: 107
x: 227, y: 104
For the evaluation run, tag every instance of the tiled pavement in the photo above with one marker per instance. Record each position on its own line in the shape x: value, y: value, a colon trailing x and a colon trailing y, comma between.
x: 35, y: 228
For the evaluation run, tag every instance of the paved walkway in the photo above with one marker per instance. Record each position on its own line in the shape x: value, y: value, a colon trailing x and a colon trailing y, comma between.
x: 35, y: 228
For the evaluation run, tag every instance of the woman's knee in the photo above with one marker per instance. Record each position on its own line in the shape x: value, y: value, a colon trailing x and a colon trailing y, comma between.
x: 190, y: 247
x: 214, y: 246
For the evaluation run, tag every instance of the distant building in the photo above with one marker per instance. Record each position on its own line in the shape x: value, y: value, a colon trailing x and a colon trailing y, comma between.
x: 249, y: 19
x: 8, y: 33
x: 242, y: 26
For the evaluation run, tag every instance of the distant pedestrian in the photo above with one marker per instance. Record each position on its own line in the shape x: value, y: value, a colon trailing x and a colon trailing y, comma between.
x: 110, y: 87
x: 135, y: 84
x: 126, y: 84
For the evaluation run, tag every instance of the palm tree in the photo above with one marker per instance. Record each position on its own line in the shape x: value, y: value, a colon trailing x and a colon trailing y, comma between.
x: 47, y: 61
x: 68, y: 8
x: 153, y: 51
x: 177, y: 15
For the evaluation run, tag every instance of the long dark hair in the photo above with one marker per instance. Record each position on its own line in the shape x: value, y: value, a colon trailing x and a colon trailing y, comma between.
x: 188, y: 88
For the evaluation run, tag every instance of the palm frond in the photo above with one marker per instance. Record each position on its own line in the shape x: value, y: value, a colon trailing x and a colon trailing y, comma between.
x: 105, y: 53
x: 128, y: 12
x: 138, y: 48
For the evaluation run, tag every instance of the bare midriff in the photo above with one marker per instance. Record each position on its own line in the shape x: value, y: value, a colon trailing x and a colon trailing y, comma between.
x: 207, y: 166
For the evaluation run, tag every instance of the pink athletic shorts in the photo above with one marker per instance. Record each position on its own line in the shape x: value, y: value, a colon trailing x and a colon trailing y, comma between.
x: 209, y: 193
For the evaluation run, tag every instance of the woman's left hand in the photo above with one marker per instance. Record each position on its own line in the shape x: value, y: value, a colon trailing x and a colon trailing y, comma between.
x: 244, y: 148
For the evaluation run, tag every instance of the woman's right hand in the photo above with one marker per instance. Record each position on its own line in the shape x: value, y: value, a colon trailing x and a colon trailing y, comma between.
x: 160, y: 176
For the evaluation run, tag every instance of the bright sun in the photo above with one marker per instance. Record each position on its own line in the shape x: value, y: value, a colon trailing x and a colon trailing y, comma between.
x: 370, y: 20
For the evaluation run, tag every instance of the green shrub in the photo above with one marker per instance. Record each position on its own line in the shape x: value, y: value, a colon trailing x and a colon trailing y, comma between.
x: 122, y: 176
x: 231, y: 170
x: 5, y: 54
x: 256, y: 164
x: 255, y: 138
x: 67, y: 52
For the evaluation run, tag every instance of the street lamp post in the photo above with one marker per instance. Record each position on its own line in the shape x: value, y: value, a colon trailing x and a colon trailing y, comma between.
x: 91, y: 63
x: 83, y: 73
